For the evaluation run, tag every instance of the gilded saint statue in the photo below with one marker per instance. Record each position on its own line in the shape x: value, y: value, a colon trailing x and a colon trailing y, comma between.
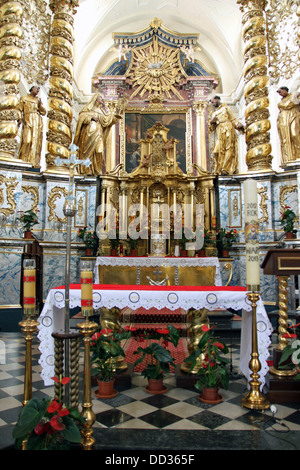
x: 32, y: 110
x: 226, y: 148
x: 94, y: 123
x: 288, y: 124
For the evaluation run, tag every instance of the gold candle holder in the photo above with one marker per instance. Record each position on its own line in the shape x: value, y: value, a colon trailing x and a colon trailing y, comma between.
x: 86, y: 276
x: 87, y: 328
x: 254, y: 399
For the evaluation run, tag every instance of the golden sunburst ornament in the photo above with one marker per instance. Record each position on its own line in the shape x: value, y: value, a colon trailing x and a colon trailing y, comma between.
x: 155, y: 69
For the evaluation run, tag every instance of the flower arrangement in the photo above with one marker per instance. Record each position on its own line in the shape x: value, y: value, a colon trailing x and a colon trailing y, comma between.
x: 213, y: 371
x: 158, y: 358
x: 105, y: 348
x: 290, y: 357
x: 225, y: 238
x: 28, y: 219
x: 287, y: 219
x: 87, y: 237
x: 47, y: 424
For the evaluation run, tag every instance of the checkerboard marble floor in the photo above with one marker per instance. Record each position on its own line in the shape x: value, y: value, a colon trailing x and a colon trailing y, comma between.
x: 176, y: 420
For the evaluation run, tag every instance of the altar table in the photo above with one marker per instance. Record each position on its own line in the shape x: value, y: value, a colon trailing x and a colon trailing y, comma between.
x: 176, y: 263
x: 214, y: 297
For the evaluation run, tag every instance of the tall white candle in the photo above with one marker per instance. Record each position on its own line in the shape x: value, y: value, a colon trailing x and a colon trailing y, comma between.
x: 251, y: 235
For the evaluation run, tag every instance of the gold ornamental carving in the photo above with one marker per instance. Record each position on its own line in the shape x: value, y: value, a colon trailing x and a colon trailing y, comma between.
x: 283, y: 21
x: 34, y: 191
x: 36, y: 41
x: 155, y: 69
x: 263, y: 205
x: 59, y: 135
x: 284, y: 191
x: 11, y: 14
x: 256, y: 86
x: 10, y: 185
x: 56, y: 193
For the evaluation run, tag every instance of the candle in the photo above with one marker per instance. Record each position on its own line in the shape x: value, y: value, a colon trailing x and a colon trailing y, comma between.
x: 29, y: 286
x: 86, y: 278
x: 251, y: 236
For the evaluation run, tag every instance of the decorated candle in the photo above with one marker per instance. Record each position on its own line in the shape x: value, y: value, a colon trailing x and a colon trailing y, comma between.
x: 86, y: 279
x: 29, y: 286
x: 251, y: 235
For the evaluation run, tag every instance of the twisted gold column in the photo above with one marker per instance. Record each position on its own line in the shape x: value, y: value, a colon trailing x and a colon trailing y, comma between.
x: 59, y: 136
x: 11, y: 14
x: 256, y: 86
x: 282, y: 329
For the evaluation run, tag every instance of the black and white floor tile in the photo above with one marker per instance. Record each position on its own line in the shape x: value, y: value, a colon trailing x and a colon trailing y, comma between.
x: 174, y: 421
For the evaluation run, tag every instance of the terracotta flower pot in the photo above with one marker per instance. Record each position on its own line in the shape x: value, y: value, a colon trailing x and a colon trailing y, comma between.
x: 184, y: 253
x: 289, y: 235
x: 202, y: 253
x: 225, y: 254
x: 156, y: 386
x: 132, y: 252
x: 210, y: 395
x: 88, y: 252
x: 113, y: 252
x: 27, y: 234
x: 106, y: 389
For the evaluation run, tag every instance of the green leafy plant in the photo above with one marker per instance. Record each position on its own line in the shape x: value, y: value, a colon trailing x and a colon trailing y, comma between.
x: 105, y: 348
x: 158, y: 358
x: 47, y: 424
x: 290, y: 357
x: 87, y: 237
x: 225, y: 238
x: 287, y: 219
x: 28, y: 219
x: 208, y: 355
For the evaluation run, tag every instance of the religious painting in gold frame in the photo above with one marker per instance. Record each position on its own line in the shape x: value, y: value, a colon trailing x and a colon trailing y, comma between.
x: 136, y: 128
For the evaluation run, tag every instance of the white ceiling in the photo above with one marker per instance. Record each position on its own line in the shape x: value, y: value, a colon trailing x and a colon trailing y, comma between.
x: 217, y: 22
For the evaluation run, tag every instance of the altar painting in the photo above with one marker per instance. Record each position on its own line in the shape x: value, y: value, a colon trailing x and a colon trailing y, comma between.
x: 136, y: 128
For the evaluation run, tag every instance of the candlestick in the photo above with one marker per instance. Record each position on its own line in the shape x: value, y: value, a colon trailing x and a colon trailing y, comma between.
x: 86, y: 275
x: 251, y: 236
x: 29, y: 286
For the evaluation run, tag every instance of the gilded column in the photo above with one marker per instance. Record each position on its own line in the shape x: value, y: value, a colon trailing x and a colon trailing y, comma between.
x: 59, y: 135
x: 256, y: 86
x: 199, y: 109
x: 11, y: 14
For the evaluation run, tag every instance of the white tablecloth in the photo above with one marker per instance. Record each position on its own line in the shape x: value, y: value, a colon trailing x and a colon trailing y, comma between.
x: 154, y: 261
x: 173, y: 297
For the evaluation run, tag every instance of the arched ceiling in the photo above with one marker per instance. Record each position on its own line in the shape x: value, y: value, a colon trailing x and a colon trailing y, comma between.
x: 217, y: 22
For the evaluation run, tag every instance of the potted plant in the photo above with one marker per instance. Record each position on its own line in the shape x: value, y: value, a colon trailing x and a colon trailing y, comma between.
x: 290, y: 356
x: 88, y: 239
x: 157, y: 357
x: 211, y: 366
x: 114, y: 242
x: 132, y: 242
x: 105, y: 349
x: 225, y: 239
x: 287, y: 220
x: 28, y: 220
x: 47, y: 424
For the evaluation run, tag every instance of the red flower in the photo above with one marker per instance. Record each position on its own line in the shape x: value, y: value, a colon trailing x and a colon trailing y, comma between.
x: 41, y: 428
x: 219, y: 345
x: 53, y: 406
x: 105, y: 331
x: 56, y: 423
x: 130, y: 328
x: 62, y: 380
x: 163, y: 331
x: 289, y: 335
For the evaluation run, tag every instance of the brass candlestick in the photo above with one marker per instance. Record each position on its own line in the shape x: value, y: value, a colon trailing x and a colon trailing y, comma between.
x: 28, y: 326
x: 87, y: 328
x: 254, y: 399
